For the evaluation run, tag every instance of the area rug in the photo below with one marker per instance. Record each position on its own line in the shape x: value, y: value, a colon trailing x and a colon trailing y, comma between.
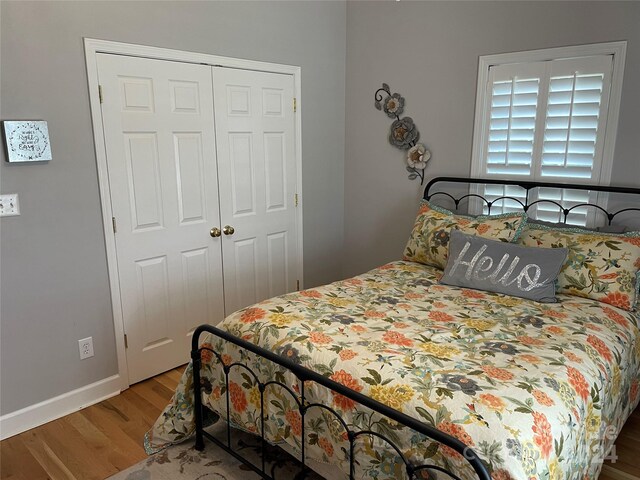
x: 182, y: 461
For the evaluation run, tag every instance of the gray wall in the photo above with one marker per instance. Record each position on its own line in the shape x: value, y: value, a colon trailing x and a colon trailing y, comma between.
x: 428, y: 51
x: 54, y: 275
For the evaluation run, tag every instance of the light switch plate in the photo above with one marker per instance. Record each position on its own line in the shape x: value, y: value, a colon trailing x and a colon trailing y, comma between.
x: 9, y: 206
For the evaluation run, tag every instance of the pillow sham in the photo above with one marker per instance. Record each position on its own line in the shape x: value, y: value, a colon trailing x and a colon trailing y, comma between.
x: 501, y: 267
x: 603, y: 228
x: 429, y: 240
x: 601, y: 266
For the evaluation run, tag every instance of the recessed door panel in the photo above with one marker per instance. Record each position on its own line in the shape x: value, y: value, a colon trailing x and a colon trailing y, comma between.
x: 278, y: 261
x: 153, y: 300
x: 196, y: 286
x: 239, y: 100
x: 190, y: 176
x: 245, y: 261
x: 185, y: 96
x: 141, y: 156
x: 136, y: 94
x: 241, y: 163
x: 276, y: 175
x: 272, y: 102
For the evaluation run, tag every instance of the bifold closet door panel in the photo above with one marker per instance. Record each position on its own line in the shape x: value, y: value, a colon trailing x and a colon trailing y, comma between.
x: 257, y: 179
x: 159, y: 133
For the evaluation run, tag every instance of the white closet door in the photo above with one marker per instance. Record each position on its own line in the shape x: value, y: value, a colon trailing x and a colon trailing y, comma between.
x: 158, y: 125
x: 257, y: 178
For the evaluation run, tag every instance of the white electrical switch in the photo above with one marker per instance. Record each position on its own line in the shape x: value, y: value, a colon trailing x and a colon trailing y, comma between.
x: 9, y: 205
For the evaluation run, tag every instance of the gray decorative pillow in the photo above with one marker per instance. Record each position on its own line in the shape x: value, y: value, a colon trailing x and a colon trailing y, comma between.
x: 495, y: 266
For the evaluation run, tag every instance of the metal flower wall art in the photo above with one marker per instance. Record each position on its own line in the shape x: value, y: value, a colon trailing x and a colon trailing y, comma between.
x: 403, y: 133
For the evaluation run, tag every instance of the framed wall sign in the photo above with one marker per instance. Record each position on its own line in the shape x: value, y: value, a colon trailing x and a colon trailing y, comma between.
x: 27, y: 140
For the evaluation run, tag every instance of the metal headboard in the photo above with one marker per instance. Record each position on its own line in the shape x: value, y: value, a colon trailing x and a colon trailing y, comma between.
x: 528, y: 187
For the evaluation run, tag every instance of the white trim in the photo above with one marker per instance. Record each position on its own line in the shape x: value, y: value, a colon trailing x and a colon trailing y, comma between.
x: 297, y: 87
x: 477, y: 168
x: 107, y: 213
x: 617, y: 49
x: 544, y: 54
x: 40, y: 413
x: 95, y: 46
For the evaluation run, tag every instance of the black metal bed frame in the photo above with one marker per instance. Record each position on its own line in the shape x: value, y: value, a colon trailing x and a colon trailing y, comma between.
x: 304, y: 374
x: 528, y: 186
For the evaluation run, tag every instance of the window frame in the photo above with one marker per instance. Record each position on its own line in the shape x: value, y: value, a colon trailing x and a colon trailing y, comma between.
x: 483, y: 100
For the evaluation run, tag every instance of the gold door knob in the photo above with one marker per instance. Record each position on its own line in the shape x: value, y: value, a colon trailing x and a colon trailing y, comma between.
x: 215, y: 232
x: 228, y: 230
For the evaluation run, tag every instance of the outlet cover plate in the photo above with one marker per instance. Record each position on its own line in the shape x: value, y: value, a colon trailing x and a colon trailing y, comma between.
x: 9, y: 206
x: 86, y: 347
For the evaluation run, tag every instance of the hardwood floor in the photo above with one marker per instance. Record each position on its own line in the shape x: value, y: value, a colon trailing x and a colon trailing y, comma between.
x: 95, y: 442
x: 103, y: 439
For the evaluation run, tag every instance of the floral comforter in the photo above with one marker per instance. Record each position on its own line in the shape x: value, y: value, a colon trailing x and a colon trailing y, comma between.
x: 538, y: 390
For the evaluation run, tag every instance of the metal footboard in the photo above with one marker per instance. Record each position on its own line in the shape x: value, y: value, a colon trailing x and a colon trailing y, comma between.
x: 303, y: 375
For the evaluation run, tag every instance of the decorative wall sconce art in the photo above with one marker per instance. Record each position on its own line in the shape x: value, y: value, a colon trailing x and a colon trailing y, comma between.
x: 403, y: 133
x: 27, y: 141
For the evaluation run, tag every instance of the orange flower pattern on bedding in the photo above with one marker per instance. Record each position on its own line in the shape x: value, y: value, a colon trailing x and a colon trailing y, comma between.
x: 601, y: 266
x: 206, y: 355
x: 295, y: 421
x: 542, y: 431
x: 347, y: 380
x: 429, y: 239
x: 578, y: 382
x: 531, y: 387
x: 237, y: 397
x: 251, y: 315
x: 617, y: 299
x: 396, y: 338
x: 458, y: 432
x: 492, y: 402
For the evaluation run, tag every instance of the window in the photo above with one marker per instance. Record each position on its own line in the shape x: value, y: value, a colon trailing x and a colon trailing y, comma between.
x: 550, y: 116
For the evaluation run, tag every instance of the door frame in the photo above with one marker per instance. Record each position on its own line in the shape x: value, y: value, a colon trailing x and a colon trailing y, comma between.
x: 95, y: 46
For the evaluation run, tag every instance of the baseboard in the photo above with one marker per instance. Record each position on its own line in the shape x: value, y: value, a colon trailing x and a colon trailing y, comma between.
x: 35, y: 415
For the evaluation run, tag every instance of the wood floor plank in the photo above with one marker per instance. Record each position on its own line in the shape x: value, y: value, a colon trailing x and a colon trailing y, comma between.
x: 132, y: 427
x: 100, y: 443
x: 140, y: 412
x: 67, y: 444
x: 17, y: 462
x: 153, y: 392
x: 47, y: 459
x: 114, y: 430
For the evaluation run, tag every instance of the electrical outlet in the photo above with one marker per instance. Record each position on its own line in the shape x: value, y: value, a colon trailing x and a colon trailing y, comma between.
x: 86, y: 347
x: 9, y: 205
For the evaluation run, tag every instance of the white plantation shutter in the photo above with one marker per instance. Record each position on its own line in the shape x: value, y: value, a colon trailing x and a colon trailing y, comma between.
x: 545, y: 121
x: 577, y: 102
x: 515, y: 95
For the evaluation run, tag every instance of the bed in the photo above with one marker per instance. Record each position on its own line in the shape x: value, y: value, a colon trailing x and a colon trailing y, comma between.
x: 392, y: 374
